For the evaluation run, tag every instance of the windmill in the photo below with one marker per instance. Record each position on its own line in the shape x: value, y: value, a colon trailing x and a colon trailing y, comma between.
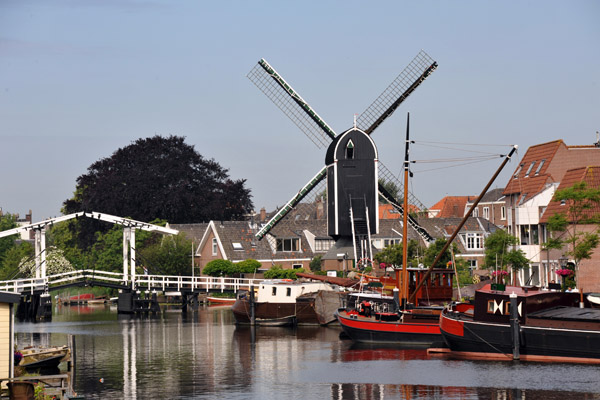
x: 352, y: 167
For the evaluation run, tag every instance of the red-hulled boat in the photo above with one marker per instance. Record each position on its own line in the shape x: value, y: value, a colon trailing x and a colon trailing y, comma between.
x: 547, y: 326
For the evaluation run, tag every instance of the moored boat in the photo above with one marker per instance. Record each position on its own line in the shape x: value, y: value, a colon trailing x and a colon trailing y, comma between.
x: 221, y: 301
x: 43, y: 357
x: 309, y: 303
x: 547, y: 326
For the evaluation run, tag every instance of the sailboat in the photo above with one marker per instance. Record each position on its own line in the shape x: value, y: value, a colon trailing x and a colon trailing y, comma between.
x: 408, y: 317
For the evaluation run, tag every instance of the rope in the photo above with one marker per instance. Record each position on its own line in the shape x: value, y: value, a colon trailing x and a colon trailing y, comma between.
x: 488, y: 343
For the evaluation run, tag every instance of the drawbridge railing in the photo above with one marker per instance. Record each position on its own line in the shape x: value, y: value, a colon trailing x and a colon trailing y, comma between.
x: 114, y: 279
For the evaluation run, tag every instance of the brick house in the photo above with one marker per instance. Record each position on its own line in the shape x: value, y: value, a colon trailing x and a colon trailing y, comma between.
x: 529, y: 192
x: 589, y: 269
x: 492, y: 207
x: 450, y: 206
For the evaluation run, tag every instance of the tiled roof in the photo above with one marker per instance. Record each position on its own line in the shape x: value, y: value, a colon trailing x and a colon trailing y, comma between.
x: 590, y: 175
x: 193, y: 232
x: 452, y: 206
x: 387, y: 211
x: 444, y: 227
x: 533, y: 181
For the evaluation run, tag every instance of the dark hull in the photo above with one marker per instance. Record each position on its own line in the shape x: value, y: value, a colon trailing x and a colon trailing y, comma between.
x: 536, y: 343
x: 303, y: 311
x: 369, y: 330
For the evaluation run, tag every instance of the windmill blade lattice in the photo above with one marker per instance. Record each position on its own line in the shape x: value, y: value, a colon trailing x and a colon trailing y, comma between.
x: 387, y: 176
x: 308, y: 203
x: 412, y: 76
x: 285, y: 97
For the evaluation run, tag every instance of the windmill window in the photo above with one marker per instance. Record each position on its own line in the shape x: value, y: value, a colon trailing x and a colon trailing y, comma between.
x: 350, y: 150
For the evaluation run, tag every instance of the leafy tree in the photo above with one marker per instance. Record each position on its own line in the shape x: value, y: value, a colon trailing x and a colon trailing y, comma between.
x: 219, y: 268
x: 157, y: 177
x: 248, y: 266
x: 496, y: 248
x: 392, y: 255
x: 435, y: 248
x: 169, y: 255
x: 7, y: 221
x: 580, y: 200
x: 13, y: 257
x: 315, y: 263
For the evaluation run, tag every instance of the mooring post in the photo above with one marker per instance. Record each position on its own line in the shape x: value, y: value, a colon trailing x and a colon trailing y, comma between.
x: 252, y: 311
x: 396, y: 293
x: 514, y: 326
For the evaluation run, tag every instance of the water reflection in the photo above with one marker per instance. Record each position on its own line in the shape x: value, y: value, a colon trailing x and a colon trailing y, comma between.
x: 203, y: 355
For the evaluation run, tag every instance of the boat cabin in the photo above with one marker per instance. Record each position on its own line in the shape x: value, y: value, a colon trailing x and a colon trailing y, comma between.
x: 492, y: 302
x: 287, y: 290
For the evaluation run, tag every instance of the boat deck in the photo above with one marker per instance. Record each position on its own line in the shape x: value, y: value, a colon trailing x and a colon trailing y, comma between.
x: 568, y: 314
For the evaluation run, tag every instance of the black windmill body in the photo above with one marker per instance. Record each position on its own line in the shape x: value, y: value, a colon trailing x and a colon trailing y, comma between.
x: 352, y: 168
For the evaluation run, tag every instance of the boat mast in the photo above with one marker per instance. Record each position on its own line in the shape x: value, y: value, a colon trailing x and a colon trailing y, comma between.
x: 464, y: 220
x: 405, y: 220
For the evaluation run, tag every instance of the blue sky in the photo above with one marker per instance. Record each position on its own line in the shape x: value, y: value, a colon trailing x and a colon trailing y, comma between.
x: 81, y: 78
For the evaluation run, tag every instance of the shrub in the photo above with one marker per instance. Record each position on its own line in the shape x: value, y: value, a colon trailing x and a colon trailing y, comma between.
x: 277, y: 272
x: 219, y: 268
x: 248, y: 266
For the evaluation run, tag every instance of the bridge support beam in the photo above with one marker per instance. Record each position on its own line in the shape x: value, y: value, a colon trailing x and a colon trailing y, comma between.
x: 35, y: 307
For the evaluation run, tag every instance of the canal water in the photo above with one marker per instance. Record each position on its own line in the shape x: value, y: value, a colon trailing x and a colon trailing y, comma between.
x: 203, y: 355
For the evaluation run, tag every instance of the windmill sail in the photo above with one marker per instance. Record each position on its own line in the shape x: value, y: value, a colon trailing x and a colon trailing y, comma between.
x: 411, y: 221
x: 289, y: 101
x: 302, y: 193
x: 409, y: 79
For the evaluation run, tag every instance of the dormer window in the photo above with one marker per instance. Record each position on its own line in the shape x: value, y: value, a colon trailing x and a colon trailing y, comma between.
x: 516, y: 175
x: 539, y: 168
x: 529, y: 169
x: 350, y: 150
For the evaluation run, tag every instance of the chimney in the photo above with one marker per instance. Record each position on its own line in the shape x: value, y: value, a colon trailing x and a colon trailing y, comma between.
x: 263, y: 214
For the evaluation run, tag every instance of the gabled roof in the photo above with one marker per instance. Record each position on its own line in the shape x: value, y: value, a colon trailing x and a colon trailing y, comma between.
x: 547, y: 163
x: 590, y: 175
x: 492, y: 196
x: 527, y: 178
x: 387, y: 211
x: 451, y: 206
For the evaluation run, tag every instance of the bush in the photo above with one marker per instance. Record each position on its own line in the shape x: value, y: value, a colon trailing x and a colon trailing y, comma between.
x: 277, y: 272
x: 315, y: 264
x: 248, y: 266
x: 219, y: 268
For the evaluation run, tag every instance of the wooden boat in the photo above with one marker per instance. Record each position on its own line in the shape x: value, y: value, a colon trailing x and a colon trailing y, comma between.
x: 406, y: 320
x: 378, y: 318
x: 221, y: 301
x: 310, y: 303
x: 594, y: 299
x: 43, y: 357
x: 546, y: 326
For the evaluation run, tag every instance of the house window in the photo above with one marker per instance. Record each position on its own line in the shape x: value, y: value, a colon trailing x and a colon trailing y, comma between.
x: 525, y: 235
x: 288, y: 244
x: 539, y: 168
x: 529, y: 169
x: 237, y: 246
x: 350, y: 150
x: 486, y: 212
x: 472, y: 264
x: 476, y: 212
x: 535, y: 237
x: 474, y: 241
x: 391, y: 242
x: 503, y: 212
x: 323, y: 244
x: 296, y: 266
x: 215, y: 246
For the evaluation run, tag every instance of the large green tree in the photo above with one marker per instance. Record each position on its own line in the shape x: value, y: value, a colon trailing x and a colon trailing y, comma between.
x: 392, y: 255
x: 157, y: 177
x: 581, y: 203
x: 7, y: 221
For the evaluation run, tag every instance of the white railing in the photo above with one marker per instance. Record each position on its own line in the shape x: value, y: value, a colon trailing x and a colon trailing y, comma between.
x: 151, y: 282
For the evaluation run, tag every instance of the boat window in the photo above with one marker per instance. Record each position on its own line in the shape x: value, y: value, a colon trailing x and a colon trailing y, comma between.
x: 288, y: 292
x: 507, y: 308
x: 274, y: 293
x: 490, y: 307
